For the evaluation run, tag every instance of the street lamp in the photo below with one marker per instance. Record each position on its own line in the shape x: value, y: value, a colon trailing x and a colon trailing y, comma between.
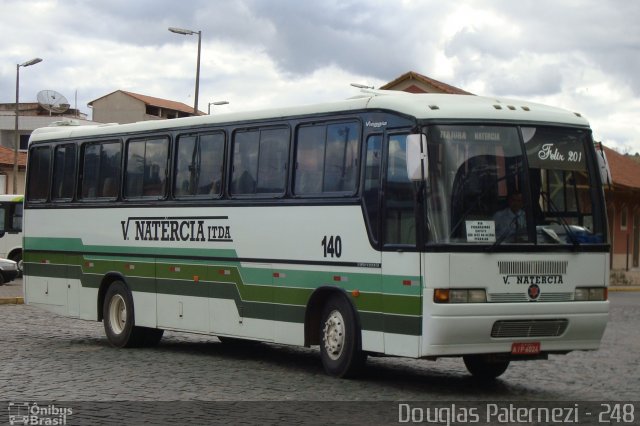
x: 215, y: 103
x: 17, y: 137
x: 189, y: 32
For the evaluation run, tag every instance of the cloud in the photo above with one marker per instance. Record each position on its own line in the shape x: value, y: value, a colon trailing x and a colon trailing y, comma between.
x: 582, y: 55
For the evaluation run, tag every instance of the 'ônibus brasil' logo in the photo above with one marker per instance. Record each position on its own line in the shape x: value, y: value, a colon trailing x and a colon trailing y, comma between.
x: 191, y: 228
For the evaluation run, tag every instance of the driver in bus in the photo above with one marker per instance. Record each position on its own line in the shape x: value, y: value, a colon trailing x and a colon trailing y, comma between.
x: 511, y: 220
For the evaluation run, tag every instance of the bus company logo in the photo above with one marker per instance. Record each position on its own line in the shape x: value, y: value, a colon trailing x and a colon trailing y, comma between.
x: 25, y: 413
x: 533, y: 292
x: 196, y: 229
x: 532, y: 279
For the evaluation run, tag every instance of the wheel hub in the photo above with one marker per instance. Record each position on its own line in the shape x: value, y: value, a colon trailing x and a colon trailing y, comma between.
x: 333, y: 335
x: 117, y: 314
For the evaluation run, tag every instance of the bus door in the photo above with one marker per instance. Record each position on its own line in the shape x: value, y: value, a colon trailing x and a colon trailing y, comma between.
x: 401, y: 262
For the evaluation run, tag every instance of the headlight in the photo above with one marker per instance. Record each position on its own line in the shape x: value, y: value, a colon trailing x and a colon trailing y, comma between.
x: 477, y: 296
x: 590, y: 294
x: 459, y: 295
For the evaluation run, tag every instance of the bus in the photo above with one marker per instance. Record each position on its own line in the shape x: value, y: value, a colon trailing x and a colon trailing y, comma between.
x: 365, y: 226
x: 11, y: 225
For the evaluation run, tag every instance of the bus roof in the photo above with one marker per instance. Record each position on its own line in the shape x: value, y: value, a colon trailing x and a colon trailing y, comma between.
x: 12, y: 197
x: 422, y: 106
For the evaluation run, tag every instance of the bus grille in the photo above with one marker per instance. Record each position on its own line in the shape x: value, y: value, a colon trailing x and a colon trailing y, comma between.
x: 532, y: 267
x: 530, y: 328
x: 522, y: 297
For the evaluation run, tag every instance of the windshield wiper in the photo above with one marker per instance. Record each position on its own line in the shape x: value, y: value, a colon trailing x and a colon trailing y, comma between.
x: 563, y: 221
x: 504, y: 235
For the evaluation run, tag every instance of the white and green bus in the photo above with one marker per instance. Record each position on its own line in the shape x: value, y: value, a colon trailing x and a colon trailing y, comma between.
x: 366, y: 226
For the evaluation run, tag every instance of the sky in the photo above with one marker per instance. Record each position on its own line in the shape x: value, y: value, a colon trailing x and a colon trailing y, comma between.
x: 582, y: 55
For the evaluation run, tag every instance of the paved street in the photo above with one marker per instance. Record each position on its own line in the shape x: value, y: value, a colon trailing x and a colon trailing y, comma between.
x: 46, y: 357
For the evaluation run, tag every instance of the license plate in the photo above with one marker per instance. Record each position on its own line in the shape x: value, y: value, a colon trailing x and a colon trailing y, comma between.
x: 525, y: 348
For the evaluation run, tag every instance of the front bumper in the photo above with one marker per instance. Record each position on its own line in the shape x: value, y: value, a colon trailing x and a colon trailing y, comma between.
x: 459, y: 330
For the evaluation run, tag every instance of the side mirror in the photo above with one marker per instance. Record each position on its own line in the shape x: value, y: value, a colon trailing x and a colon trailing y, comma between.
x: 603, y: 166
x: 417, y: 157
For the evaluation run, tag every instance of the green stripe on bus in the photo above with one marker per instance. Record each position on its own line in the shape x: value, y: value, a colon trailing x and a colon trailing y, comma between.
x: 261, y: 291
x: 378, y: 312
x: 369, y: 282
x: 142, y: 278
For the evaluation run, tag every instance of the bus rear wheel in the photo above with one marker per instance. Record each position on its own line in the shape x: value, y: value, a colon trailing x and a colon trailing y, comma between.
x: 340, y: 341
x: 486, y: 367
x: 119, y: 320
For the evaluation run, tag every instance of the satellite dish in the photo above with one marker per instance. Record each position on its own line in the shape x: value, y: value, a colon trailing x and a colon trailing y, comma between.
x: 53, y: 101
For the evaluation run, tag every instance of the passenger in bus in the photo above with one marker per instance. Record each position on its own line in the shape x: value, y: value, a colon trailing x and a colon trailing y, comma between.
x: 511, y: 220
x: 109, y: 188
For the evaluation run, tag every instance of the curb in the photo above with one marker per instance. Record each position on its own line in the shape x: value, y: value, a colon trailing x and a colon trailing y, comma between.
x: 11, y: 300
x: 625, y: 288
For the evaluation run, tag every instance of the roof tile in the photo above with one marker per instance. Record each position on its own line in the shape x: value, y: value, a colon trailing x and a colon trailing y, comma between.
x: 6, y: 157
x: 625, y: 171
x: 446, y: 88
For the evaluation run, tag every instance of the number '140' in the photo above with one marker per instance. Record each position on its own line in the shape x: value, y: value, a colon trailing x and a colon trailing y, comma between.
x: 332, y: 246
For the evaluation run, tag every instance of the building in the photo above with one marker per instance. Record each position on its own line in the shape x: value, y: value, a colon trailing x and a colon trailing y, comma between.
x: 31, y: 116
x: 623, y: 210
x: 119, y: 106
x: 417, y: 83
x: 128, y: 107
x: 6, y: 170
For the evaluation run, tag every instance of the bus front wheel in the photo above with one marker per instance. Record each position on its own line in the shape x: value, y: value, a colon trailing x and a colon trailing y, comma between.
x: 486, y: 367
x: 340, y: 342
x: 119, y: 323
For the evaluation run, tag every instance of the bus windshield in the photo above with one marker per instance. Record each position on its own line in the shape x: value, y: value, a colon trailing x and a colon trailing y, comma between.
x: 511, y: 185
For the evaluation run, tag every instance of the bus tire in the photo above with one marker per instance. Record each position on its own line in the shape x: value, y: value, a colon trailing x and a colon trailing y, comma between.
x: 486, y: 367
x: 340, y: 339
x: 119, y: 320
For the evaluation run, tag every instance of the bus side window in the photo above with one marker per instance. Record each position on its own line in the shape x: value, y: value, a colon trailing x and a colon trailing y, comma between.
x: 40, y: 166
x: 212, y: 148
x: 327, y: 159
x: 187, y: 165
x: 272, y: 163
x: 64, y: 171
x: 341, y: 166
x: 100, y: 171
x: 245, y: 162
x: 309, y: 160
x: 10, y: 217
x: 146, y: 170
x: 199, y: 165
x: 3, y: 215
x: 16, y: 218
